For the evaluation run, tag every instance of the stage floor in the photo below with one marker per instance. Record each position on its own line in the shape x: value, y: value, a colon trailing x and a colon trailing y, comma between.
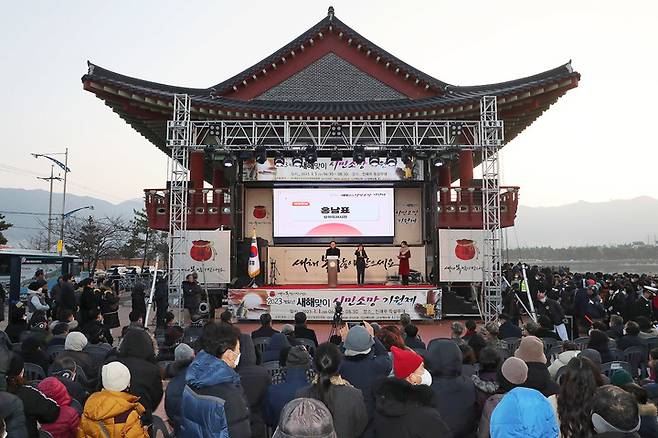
x: 346, y: 286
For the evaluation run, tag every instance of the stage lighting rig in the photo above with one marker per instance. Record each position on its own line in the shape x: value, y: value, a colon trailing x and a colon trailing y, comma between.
x: 359, y: 154
x: 279, y: 159
x: 261, y: 154
x: 408, y: 156
x: 214, y: 129
x: 456, y: 129
x: 374, y: 158
x: 310, y: 155
x: 229, y: 161
x: 297, y: 160
x: 336, y: 130
x: 391, y: 160
x: 336, y: 155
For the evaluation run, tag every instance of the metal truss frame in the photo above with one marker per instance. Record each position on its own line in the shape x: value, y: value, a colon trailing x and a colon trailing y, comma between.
x: 422, y: 135
x: 492, y: 138
x: 179, y: 139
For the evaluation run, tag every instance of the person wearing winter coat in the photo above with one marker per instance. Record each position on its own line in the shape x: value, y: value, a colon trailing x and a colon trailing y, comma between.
x: 486, y: 380
x: 137, y: 353
x: 33, y: 351
x: 161, y: 298
x: 73, y: 348
x: 113, y: 412
x: 278, y: 343
x: 531, y: 351
x: 255, y: 380
x: 213, y: 402
x: 17, y: 322
x: 65, y: 370
x: 366, y: 361
x: 562, y: 359
x: 523, y: 413
x: 183, y: 357
x: 66, y: 424
x: 36, y: 406
x: 138, y: 299
x: 12, y: 413
x: 405, y: 405
x: 648, y: 411
x: 110, y: 309
x: 615, y: 413
x: 345, y: 402
x: 90, y: 300
x: 456, y: 394
x: 298, y: 362
x: 511, y: 374
x: 67, y: 298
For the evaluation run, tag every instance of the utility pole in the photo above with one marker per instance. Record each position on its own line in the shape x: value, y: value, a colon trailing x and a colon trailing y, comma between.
x: 61, y: 226
x: 50, y: 203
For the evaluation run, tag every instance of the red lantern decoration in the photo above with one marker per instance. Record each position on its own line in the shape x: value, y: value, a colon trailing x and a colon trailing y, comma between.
x: 465, y: 249
x: 201, y: 250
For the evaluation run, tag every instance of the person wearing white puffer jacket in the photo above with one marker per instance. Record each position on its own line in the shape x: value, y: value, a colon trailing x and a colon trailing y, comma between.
x: 569, y: 351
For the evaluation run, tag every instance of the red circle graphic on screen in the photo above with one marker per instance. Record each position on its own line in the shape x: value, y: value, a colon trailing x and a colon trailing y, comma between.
x: 334, y: 230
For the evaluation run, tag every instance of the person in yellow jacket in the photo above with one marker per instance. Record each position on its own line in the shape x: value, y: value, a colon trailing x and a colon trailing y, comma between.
x: 113, y: 412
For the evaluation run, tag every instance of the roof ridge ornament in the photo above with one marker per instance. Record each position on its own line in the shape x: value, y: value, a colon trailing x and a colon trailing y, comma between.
x: 330, y: 13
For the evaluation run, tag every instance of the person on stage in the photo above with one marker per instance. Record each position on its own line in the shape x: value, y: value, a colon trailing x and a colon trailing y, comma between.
x: 333, y: 251
x: 404, y: 255
x: 361, y: 257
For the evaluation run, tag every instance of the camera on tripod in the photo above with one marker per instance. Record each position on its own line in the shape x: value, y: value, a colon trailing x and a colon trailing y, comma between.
x: 338, y: 315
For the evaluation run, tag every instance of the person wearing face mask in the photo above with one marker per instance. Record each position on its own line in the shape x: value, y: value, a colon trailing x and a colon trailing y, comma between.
x: 213, y: 402
x: 405, y: 405
x: 552, y: 309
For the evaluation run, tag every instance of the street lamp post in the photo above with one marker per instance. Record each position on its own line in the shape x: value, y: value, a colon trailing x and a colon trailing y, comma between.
x: 65, y: 168
x: 50, y: 202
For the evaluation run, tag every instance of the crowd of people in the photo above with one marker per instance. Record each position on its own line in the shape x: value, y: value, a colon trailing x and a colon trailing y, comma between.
x: 63, y: 373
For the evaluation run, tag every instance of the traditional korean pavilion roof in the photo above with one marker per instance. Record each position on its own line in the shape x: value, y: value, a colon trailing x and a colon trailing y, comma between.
x: 329, y: 72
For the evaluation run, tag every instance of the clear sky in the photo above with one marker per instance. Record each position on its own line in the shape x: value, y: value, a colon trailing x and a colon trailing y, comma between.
x: 595, y: 144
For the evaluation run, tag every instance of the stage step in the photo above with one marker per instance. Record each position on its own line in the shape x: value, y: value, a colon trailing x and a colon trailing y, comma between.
x: 454, y: 304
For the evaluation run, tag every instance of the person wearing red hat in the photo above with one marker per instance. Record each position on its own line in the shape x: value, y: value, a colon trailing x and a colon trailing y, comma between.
x: 405, y: 405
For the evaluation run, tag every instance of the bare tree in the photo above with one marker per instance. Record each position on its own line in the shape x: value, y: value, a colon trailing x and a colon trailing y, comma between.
x: 93, y: 239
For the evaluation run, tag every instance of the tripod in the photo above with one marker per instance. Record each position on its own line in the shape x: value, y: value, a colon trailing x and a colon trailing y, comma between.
x: 273, y: 272
x: 337, y: 321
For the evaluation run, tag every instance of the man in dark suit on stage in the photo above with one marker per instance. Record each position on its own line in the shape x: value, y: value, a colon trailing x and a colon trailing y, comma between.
x: 332, y: 250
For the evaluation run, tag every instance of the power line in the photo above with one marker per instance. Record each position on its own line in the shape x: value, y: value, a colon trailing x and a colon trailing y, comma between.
x: 23, y: 212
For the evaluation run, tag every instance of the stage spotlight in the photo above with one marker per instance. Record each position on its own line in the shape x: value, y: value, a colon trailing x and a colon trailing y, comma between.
x: 374, y: 158
x: 279, y: 160
x: 438, y: 162
x: 335, y: 130
x: 311, y: 154
x: 408, y: 156
x: 336, y: 155
x: 391, y: 160
x: 297, y: 160
x: 261, y: 154
x: 229, y: 161
x: 359, y: 154
x: 456, y: 129
x: 214, y: 129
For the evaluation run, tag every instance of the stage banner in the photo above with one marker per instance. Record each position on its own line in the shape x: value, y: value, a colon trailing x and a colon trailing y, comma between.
x: 409, y: 215
x: 460, y: 255
x: 208, y: 253
x: 307, y: 265
x: 258, y: 212
x: 319, y: 304
x: 326, y: 170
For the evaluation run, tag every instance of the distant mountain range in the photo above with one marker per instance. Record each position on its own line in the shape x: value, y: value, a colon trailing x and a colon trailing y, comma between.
x: 13, y: 201
x: 578, y: 224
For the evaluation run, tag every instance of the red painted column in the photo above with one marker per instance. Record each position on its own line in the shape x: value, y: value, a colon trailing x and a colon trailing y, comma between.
x: 218, y: 177
x: 196, y: 169
x: 465, y: 168
x: 445, y: 180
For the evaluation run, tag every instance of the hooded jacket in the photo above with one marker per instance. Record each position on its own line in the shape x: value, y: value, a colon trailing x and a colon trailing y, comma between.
x: 213, y: 404
x: 561, y: 361
x: 118, y: 412
x: 67, y: 423
x: 255, y: 380
x: 11, y: 409
x: 523, y: 413
x: 455, y: 394
x: 648, y: 421
x: 37, y: 407
x: 136, y: 352
x: 272, y: 352
x: 403, y: 410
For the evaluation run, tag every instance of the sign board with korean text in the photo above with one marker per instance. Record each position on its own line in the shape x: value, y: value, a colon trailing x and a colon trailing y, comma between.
x: 208, y: 253
x: 324, y: 170
x: 319, y: 304
x: 460, y: 255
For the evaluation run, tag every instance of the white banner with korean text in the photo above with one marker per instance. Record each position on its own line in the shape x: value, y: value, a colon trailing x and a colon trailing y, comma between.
x: 319, y: 304
x: 460, y: 255
x: 208, y: 253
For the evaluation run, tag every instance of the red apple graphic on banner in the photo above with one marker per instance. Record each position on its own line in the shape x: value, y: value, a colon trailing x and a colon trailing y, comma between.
x: 201, y: 250
x: 259, y: 211
x: 465, y: 249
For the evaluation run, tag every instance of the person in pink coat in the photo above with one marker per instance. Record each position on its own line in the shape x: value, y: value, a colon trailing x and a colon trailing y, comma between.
x: 66, y: 424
